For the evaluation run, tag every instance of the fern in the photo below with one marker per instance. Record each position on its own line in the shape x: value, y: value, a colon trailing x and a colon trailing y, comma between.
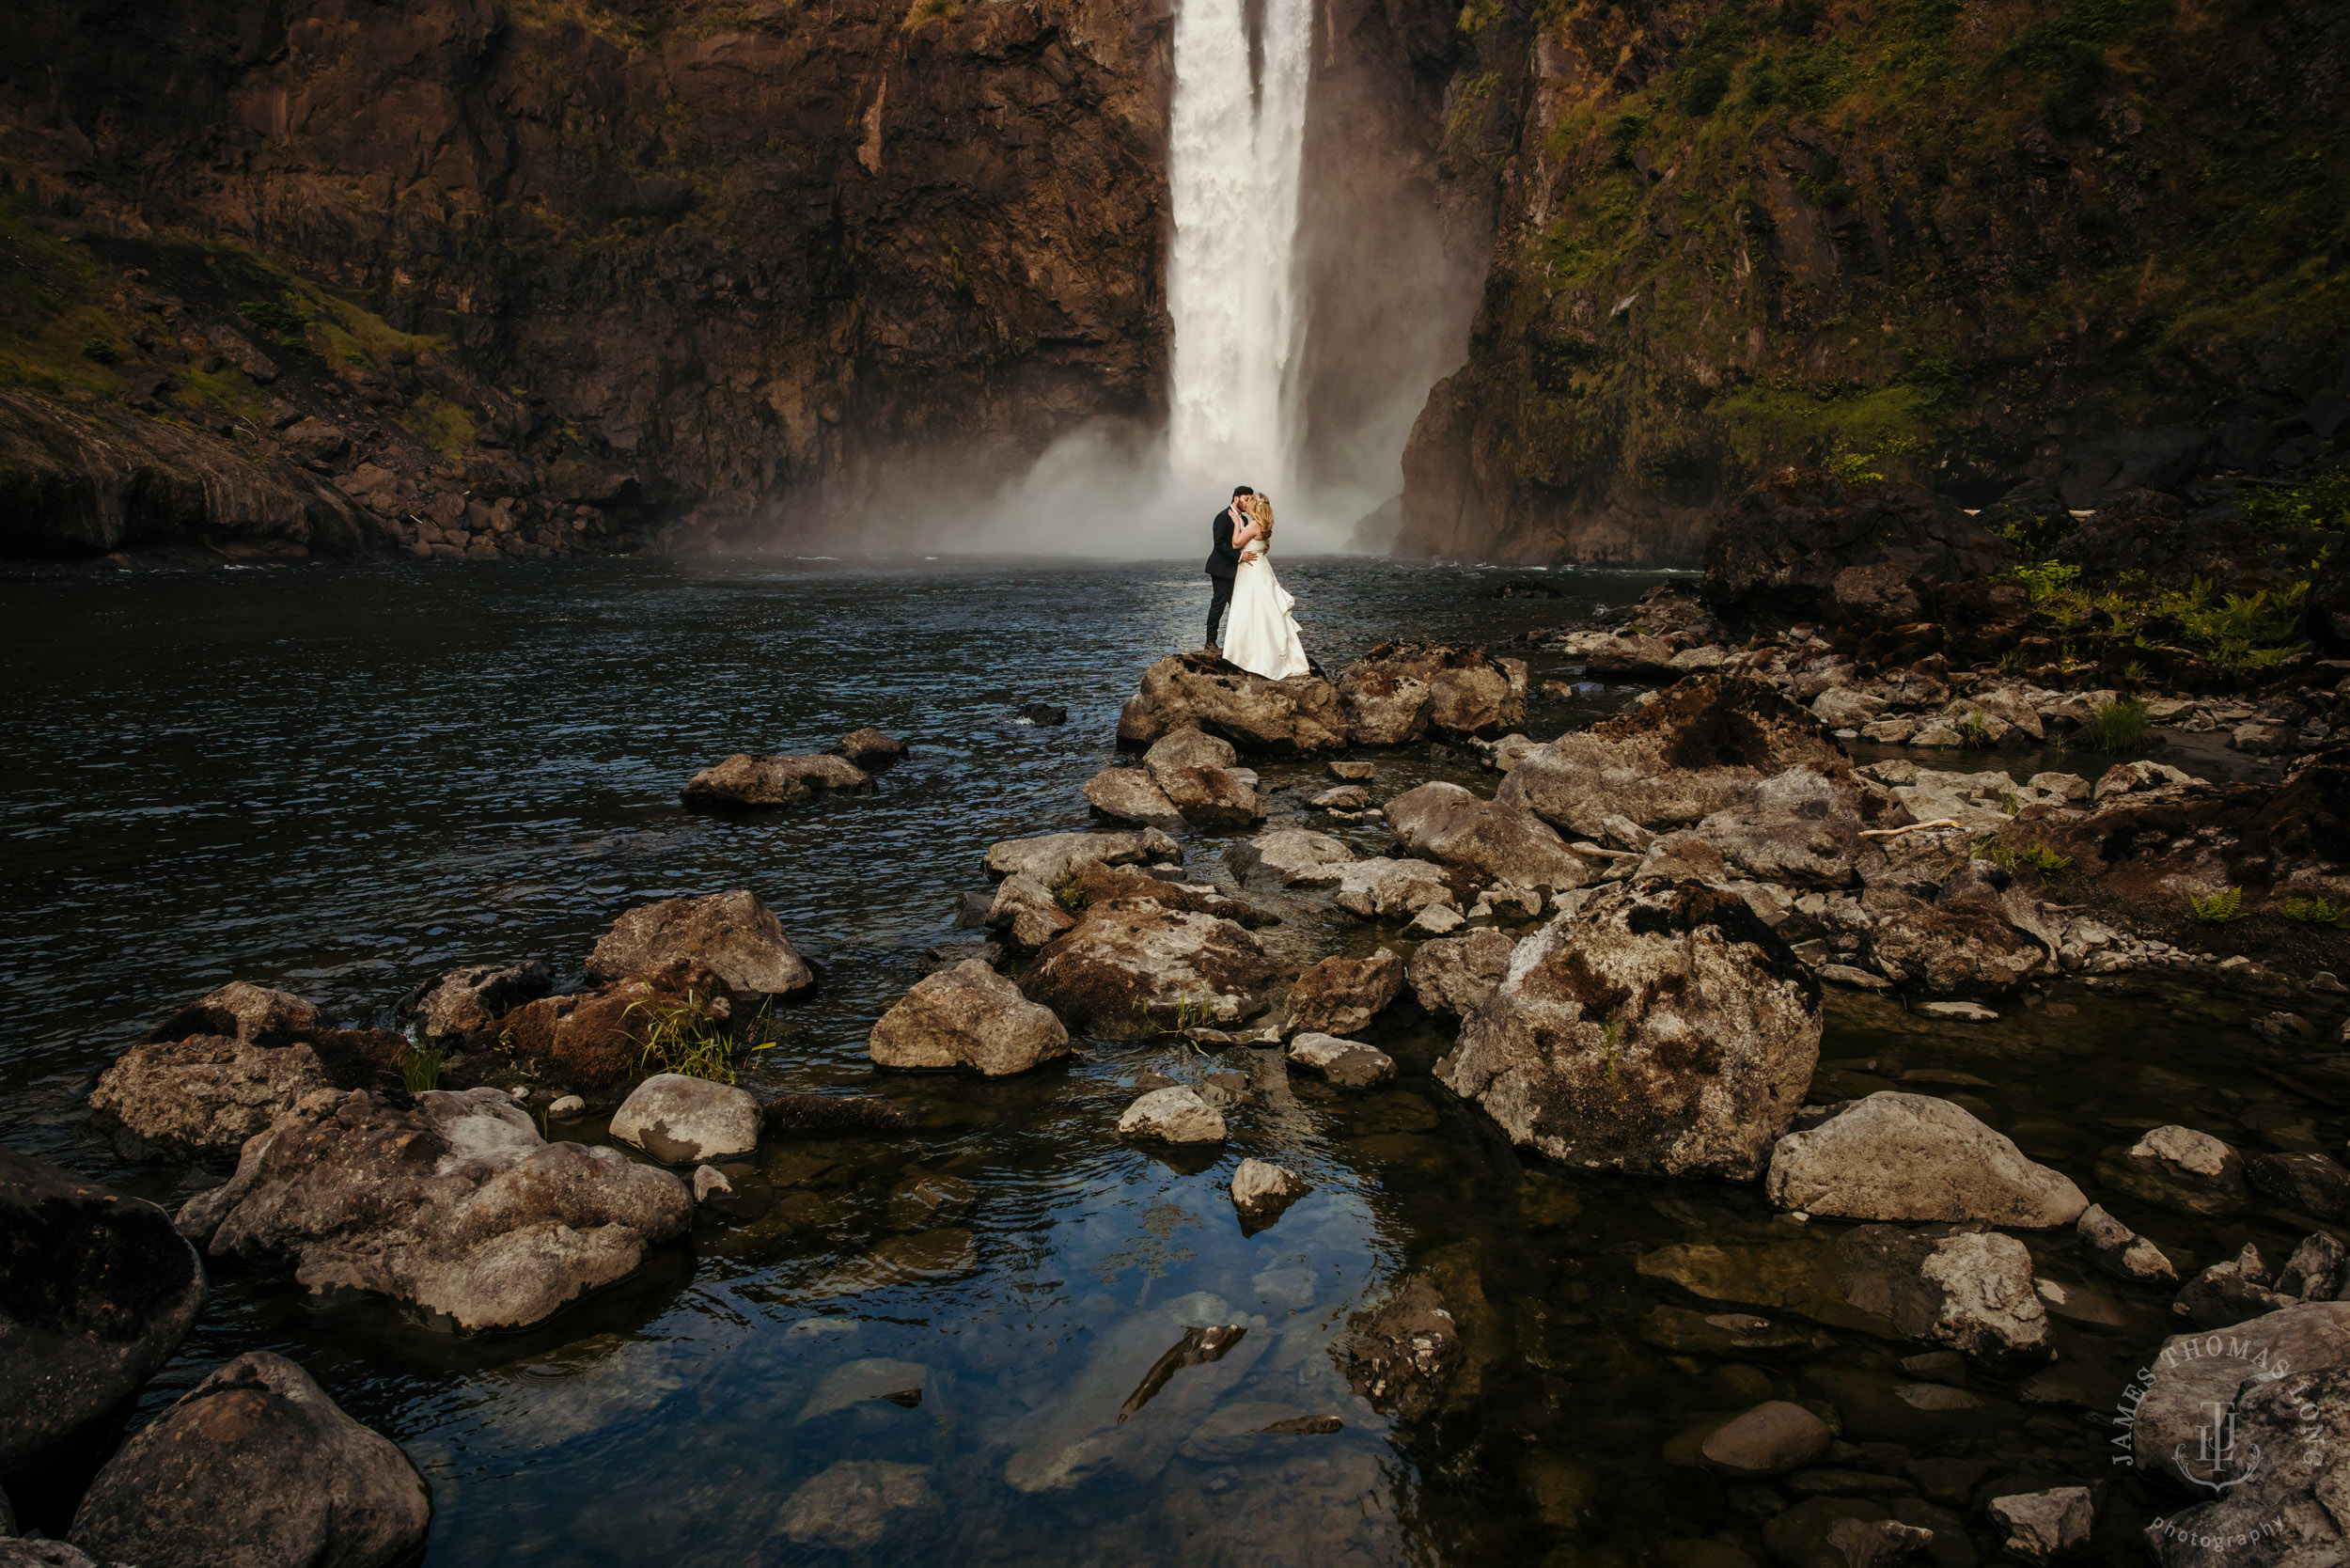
x: 2220, y: 908
x: 2314, y: 912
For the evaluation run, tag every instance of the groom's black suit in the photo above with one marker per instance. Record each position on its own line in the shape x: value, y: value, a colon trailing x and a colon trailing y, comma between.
x: 1223, y: 561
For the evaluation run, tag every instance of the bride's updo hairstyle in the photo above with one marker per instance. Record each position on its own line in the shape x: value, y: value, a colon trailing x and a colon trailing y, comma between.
x: 1259, y: 511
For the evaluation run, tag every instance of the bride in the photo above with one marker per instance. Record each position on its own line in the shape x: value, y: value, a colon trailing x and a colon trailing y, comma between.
x: 1262, y: 637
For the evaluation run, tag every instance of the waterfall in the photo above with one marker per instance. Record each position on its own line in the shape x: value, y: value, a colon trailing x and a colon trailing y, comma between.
x: 1238, y: 138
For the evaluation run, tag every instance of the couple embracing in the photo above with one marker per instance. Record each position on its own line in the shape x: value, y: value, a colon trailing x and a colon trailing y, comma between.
x: 1263, y: 639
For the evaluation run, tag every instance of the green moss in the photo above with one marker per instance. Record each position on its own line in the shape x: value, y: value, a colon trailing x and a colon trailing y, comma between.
x: 439, y: 424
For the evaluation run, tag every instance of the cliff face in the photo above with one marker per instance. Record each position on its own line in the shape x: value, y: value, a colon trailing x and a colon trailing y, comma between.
x: 2102, y: 243
x: 575, y: 256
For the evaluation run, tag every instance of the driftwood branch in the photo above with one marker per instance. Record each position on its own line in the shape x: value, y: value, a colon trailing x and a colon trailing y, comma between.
x: 1913, y: 827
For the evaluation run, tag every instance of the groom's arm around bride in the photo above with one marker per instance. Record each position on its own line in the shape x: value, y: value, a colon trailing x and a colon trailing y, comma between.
x: 1223, y: 561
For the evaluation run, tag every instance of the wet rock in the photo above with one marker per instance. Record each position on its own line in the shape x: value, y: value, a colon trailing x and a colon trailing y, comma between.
x: 1403, y: 692
x: 734, y: 936
x: 1894, y: 1156
x: 2122, y: 1251
x: 1445, y: 822
x: 2282, y: 1501
x: 1842, y: 1532
x: 1288, y: 857
x: 1348, y: 1063
x: 1026, y: 911
x: 596, y: 1039
x: 95, y: 1293
x: 1969, y: 1288
x: 464, y: 1000
x: 683, y: 1121
x: 1402, y: 1354
x: 205, y: 1095
x: 1298, y: 716
x: 1130, y: 966
x: 1346, y: 797
x: 1197, y: 773
x: 1261, y: 1190
x: 1387, y: 889
x: 2196, y: 1370
x: 454, y: 1203
x: 967, y: 1016
x: 868, y: 747
x: 251, y: 1014
x: 256, y: 1464
x: 1130, y: 795
x: 1172, y: 1116
x: 2229, y: 1292
x: 854, y: 1383
x: 851, y: 1506
x: 1772, y: 1438
x: 1458, y: 973
x: 709, y: 1181
x: 828, y: 1115
x: 1958, y: 1012
x: 1052, y: 858
x: 2138, y: 779
x: 1353, y: 771
x: 2180, y: 1168
x: 1341, y: 996
x: 1660, y: 1028
x: 1786, y: 544
x: 2313, y: 1185
x: 1041, y: 713
x: 746, y: 783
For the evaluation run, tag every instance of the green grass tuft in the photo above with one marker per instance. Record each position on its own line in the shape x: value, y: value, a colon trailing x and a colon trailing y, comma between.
x: 2121, y: 724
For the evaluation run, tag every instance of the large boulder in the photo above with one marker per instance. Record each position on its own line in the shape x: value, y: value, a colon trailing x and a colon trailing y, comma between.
x: 1661, y: 1029
x: 1456, y: 974
x: 967, y: 1016
x: 205, y: 1095
x: 1780, y: 546
x: 1800, y: 828
x: 1500, y: 843
x: 253, y: 1014
x: 1288, y: 857
x: 2195, y: 1372
x: 1197, y: 775
x: 1402, y: 692
x: 95, y: 1293
x: 1969, y: 1289
x: 683, y: 1120
x: 2278, y: 1501
x: 1133, y: 965
x: 746, y: 783
x: 1053, y: 858
x: 468, y: 999
x: 734, y: 936
x: 1703, y: 746
x: 256, y: 1464
x: 1297, y: 717
x: 1131, y: 795
x: 454, y: 1203
x: 1895, y: 1156
x: 1340, y: 996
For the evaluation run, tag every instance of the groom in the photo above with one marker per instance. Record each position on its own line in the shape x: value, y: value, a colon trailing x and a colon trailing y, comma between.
x: 1223, y: 561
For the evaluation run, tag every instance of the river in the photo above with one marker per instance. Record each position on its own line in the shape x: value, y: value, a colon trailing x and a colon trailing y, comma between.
x: 342, y: 780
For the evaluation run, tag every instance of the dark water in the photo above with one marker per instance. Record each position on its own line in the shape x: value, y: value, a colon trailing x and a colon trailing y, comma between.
x: 342, y: 780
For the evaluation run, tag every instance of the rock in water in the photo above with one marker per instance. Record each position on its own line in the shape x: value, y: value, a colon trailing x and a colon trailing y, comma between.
x: 868, y: 747
x: 96, y: 1292
x: 1288, y: 857
x: 967, y: 1016
x: 2042, y: 1527
x: 2316, y: 1184
x: 1348, y: 1063
x: 849, y: 1508
x: 1772, y: 1438
x: 747, y: 783
x: 1026, y: 911
x: 1662, y: 1029
x: 1129, y: 795
x: 463, y: 1000
x: 1052, y: 858
x: 1172, y: 1116
x: 1457, y: 973
x: 683, y: 1121
x: 1447, y: 822
x: 1393, y: 890
x: 734, y: 936
x: 1969, y: 1288
x: 1131, y: 965
x: 1402, y: 692
x: 251, y: 1013
x: 256, y: 1464
x: 1340, y: 996
x: 1197, y: 775
x: 1896, y: 1156
x: 2122, y: 1251
x: 206, y: 1095
x: 1261, y: 1190
x: 1403, y: 1354
x: 2283, y: 1509
x: 2179, y: 1169
x: 1296, y: 717
x: 454, y: 1203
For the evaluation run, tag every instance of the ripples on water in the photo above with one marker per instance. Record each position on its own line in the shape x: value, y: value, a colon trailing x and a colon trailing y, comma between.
x: 343, y: 780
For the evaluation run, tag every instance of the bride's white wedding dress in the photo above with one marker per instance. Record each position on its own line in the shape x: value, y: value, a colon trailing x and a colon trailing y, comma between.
x: 1262, y: 636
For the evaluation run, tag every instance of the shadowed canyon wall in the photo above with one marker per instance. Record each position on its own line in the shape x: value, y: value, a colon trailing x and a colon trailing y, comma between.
x: 1974, y: 238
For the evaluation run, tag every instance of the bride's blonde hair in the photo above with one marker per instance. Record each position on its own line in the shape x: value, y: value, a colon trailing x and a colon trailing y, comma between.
x: 1259, y: 511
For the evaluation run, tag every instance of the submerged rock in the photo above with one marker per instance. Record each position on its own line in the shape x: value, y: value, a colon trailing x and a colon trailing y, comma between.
x: 746, y: 783
x: 1288, y: 857
x: 1456, y: 974
x: 256, y: 1464
x: 1660, y: 1028
x: 2179, y: 1169
x: 1348, y: 1063
x: 851, y: 1506
x: 967, y: 1016
x: 1447, y: 822
x: 1138, y: 1399
x: 454, y: 1203
x: 1261, y: 1190
x: 1172, y: 1116
x: 1969, y: 1289
x: 1298, y: 716
x: 734, y: 936
x: 1772, y: 1438
x: 1340, y: 996
x: 1402, y: 691
x: 683, y: 1121
x: 1403, y: 1354
x: 1896, y: 1156
x: 95, y: 1293
x: 464, y: 1000
x: 205, y: 1095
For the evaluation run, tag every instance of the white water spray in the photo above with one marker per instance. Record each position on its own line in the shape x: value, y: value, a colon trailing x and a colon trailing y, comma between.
x: 1237, y: 145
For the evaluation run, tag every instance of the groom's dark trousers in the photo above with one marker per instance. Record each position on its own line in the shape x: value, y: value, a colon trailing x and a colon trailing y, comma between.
x: 1223, y: 561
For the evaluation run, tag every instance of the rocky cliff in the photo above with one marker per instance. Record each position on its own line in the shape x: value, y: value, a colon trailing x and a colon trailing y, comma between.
x: 2098, y: 242
x: 462, y: 278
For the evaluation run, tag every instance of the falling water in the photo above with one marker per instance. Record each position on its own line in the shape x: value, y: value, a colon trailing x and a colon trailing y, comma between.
x: 1237, y: 144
